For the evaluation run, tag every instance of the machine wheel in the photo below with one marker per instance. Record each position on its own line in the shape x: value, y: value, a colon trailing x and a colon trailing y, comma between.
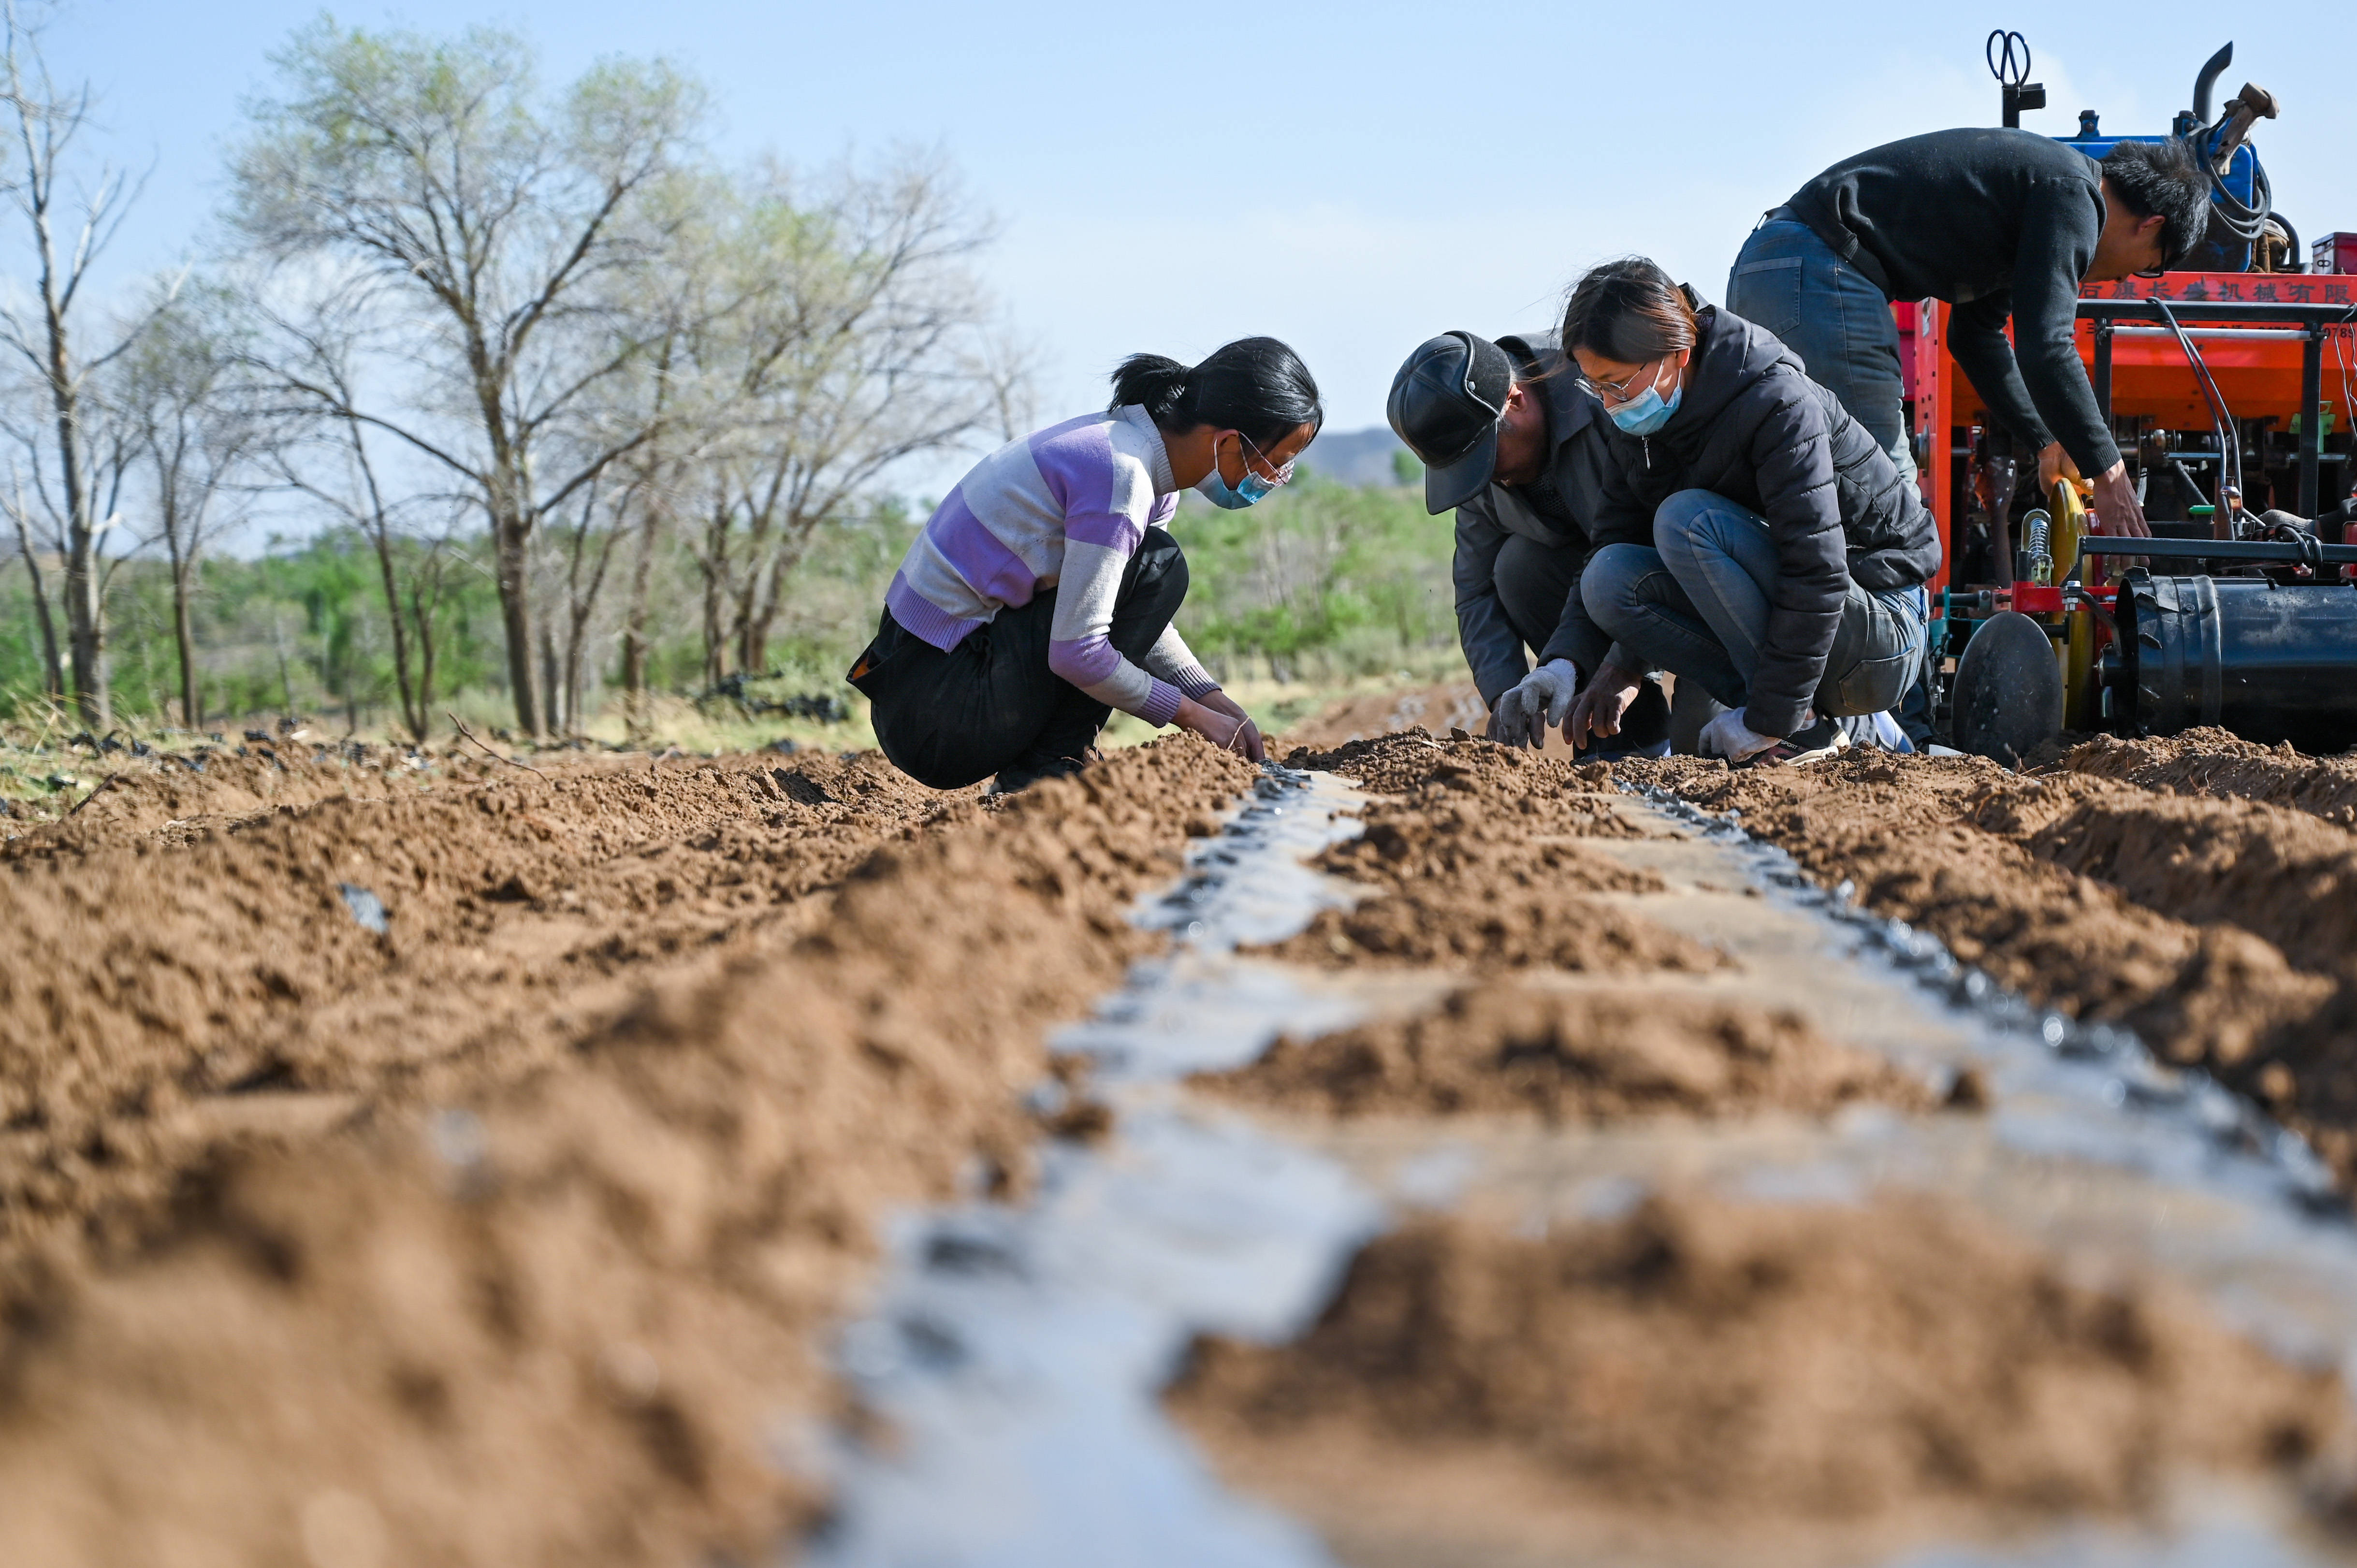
x: 2008, y: 691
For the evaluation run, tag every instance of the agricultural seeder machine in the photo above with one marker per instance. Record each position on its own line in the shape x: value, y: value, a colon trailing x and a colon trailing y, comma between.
x: 2230, y: 388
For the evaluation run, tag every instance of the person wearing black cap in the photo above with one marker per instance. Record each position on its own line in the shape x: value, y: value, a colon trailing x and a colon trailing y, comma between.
x: 1511, y: 439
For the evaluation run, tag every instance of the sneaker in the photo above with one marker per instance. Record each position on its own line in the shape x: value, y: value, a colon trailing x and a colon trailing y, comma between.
x: 1880, y: 731
x: 1620, y: 748
x: 1820, y: 740
x: 1021, y: 775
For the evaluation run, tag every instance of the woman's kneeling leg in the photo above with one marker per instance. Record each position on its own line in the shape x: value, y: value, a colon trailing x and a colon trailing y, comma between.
x: 1630, y: 592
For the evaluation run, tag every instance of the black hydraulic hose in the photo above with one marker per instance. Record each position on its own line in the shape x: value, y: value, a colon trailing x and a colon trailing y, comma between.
x: 2093, y: 606
x: 2230, y: 450
x: 2225, y: 208
x: 2299, y: 258
x: 2208, y: 80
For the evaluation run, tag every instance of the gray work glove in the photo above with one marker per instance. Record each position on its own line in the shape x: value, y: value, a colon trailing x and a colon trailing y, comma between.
x: 1728, y: 736
x: 1540, y: 702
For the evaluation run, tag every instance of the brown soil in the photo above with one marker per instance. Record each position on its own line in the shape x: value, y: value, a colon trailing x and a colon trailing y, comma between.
x: 1479, y: 862
x: 183, y: 970
x: 1704, y: 1360
x: 2215, y: 927
x: 1592, y: 1055
x: 2212, y: 762
x: 506, y: 1236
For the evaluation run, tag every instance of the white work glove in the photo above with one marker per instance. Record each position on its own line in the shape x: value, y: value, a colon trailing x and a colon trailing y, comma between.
x: 1540, y: 702
x: 1728, y: 736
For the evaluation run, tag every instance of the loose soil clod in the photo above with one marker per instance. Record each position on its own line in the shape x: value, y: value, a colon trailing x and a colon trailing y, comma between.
x: 1585, y: 1056
x: 1746, y: 1364
x: 1479, y: 862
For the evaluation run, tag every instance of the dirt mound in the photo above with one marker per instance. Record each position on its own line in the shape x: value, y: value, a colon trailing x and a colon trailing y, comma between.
x: 1585, y: 1056
x: 1481, y: 862
x: 2212, y: 762
x: 232, y: 977
x: 1753, y: 1362
x: 1462, y: 928
x: 560, y: 1314
x: 1395, y: 764
x: 2277, y: 872
x: 122, y: 800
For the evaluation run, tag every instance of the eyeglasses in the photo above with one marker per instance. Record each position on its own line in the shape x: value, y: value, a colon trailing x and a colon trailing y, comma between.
x: 1267, y: 470
x: 1618, y: 391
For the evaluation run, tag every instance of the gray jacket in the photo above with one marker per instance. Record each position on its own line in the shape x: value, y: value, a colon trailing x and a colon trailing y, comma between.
x: 1584, y: 439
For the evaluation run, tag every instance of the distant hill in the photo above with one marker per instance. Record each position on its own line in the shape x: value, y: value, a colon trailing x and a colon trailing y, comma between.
x: 1356, y: 456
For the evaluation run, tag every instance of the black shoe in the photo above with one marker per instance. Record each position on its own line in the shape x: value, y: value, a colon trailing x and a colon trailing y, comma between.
x: 1024, y: 772
x: 1820, y: 740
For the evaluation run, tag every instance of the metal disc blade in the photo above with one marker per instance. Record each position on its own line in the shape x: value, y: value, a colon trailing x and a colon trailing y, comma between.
x: 2008, y: 692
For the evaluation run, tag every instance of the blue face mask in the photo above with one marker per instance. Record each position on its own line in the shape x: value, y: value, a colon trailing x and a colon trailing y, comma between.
x: 1217, y: 490
x: 1648, y: 410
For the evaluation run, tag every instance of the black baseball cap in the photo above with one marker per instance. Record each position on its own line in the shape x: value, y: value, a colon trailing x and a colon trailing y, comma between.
x: 1445, y: 404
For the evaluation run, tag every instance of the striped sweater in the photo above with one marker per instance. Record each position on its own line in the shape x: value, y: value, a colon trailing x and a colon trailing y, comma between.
x: 1063, y: 508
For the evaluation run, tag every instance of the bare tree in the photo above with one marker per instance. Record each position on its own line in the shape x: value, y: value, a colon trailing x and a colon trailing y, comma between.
x: 67, y: 222
x: 53, y: 674
x: 194, y: 427
x: 866, y: 342
x: 318, y: 447
x: 491, y: 233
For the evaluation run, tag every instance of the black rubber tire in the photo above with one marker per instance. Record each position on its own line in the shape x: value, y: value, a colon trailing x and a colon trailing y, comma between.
x: 2008, y: 691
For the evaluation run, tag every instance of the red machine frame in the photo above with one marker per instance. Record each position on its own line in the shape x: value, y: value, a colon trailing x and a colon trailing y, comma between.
x: 2265, y: 369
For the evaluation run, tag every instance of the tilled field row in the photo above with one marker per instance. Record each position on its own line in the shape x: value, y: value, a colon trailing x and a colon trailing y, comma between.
x: 2135, y: 883
x: 457, y: 1163
x: 507, y: 1234
x: 1598, y: 1345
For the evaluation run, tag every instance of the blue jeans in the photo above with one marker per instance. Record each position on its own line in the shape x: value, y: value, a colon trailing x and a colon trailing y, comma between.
x: 1789, y: 281
x: 1696, y: 603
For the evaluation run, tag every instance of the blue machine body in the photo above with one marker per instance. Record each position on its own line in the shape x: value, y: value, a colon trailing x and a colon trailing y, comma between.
x: 2221, y: 252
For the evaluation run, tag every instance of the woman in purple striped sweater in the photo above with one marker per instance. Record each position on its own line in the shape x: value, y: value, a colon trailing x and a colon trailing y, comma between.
x: 1039, y: 595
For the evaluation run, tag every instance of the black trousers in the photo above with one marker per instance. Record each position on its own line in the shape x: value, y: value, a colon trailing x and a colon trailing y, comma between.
x: 1533, y: 580
x: 991, y: 704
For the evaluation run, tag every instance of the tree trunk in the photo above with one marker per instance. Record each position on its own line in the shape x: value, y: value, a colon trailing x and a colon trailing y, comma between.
x: 86, y: 633
x: 85, y: 591
x: 184, y: 636
x: 550, y: 708
x: 510, y: 536
x: 286, y: 681
x: 715, y: 593
x: 635, y: 718
x: 413, y: 710
x: 51, y: 673
x: 764, y: 612
x: 577, y: 649
x: 421, y: 610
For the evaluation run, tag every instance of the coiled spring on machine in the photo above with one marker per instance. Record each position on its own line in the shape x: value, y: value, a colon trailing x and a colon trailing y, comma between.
x: 2038, y: 546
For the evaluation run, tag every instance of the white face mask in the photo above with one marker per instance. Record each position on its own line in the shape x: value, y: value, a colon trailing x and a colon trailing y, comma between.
x: 1648, y: 409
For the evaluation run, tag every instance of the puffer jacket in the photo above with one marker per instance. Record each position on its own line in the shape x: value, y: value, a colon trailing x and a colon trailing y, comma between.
x: 1752, y: 428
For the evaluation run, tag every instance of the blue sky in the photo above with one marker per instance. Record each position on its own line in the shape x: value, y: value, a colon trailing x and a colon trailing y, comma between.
x: 1351, y: 178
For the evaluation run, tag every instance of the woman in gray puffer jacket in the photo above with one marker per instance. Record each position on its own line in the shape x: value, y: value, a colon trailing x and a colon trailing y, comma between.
x: 1754, y: 540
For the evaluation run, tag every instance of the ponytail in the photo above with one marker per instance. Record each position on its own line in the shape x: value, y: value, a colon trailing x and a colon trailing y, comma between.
x: 1256, y: 385
x: 1154, y: 384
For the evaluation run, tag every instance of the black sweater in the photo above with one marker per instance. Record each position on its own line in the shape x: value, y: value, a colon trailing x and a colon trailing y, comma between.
x: 1997, y: 223
x: 1752, y: 428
